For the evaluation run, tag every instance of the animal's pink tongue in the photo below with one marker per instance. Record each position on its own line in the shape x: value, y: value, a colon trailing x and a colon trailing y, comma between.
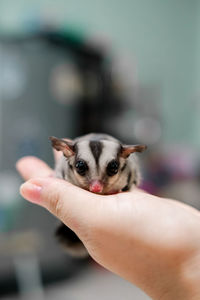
x: 96, y: 186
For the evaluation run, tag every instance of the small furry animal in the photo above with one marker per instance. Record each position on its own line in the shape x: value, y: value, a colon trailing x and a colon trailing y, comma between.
x: 98, y: 163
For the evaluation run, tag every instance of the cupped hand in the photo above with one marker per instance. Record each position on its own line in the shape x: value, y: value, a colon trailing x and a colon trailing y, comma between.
x: 152, y: 242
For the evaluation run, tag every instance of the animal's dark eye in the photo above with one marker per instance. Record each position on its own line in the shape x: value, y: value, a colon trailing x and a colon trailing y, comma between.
x: 81, y: 167
x: 112, y: 167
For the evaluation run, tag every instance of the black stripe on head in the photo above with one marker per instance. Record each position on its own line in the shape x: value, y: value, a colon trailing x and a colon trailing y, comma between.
x: 96, y: 148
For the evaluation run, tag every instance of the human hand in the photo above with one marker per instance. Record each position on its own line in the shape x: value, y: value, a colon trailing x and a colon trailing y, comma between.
x: 150, y: 241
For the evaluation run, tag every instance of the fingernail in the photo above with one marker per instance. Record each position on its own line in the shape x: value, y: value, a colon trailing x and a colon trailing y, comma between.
x: 31, y: 192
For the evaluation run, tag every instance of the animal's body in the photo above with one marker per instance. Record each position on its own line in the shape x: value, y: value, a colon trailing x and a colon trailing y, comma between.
x: 98, y: 163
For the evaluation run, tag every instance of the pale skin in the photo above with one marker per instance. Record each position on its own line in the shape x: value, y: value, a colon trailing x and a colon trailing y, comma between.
x: 151, y: 241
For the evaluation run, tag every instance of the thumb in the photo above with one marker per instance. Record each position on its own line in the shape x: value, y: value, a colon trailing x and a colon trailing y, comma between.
x: 74, y: 206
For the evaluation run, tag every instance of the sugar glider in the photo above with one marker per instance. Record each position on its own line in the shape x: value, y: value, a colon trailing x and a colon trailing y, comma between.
x: 98, y: 163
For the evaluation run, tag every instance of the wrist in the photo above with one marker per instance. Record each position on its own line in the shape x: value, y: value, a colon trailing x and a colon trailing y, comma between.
x: 184, y: 283
x: 191, y: 275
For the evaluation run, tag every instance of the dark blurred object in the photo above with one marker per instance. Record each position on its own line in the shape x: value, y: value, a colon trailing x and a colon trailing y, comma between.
x: 89, y: 82
x: 51, y: 83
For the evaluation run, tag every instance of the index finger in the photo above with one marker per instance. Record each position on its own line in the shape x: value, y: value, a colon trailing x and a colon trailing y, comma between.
x: 31, y: 166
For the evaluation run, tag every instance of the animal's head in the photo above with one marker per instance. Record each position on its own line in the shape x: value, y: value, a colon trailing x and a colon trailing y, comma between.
x: 96, y: 165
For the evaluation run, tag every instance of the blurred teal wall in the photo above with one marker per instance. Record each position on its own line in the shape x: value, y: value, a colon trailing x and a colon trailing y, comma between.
x: 163, y: 37
x: 196, y: 114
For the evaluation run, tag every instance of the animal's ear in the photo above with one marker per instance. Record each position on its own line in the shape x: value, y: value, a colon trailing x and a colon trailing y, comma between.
x: 126, y: 150
x: 64, y: 145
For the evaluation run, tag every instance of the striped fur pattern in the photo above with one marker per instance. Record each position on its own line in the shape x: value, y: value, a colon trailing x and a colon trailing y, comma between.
x: 96, y: 151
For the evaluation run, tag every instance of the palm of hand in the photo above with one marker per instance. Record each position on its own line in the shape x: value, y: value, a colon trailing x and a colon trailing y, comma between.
x: 142, y: 237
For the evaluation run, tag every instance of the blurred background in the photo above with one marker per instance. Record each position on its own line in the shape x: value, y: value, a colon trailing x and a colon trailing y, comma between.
x: 127, y: 68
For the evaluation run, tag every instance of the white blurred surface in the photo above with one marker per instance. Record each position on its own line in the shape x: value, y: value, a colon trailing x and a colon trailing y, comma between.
x: 93, y: 284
